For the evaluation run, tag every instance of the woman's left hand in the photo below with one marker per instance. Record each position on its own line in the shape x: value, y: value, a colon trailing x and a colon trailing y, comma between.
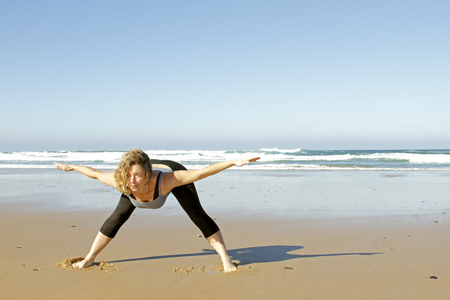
x: 63, y: 167
x: 243, y: 162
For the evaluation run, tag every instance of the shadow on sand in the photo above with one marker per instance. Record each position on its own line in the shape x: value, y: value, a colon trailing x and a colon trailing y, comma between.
x: 251, y: 255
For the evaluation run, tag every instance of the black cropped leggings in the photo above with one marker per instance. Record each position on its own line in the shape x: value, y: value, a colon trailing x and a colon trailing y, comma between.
x: 186, y: 195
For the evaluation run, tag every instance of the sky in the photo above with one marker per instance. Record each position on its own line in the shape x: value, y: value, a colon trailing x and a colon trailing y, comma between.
x: 114, y: 75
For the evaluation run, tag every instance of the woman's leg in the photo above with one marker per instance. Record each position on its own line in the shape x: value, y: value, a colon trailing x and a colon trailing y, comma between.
x: 188, y: 198
x: 216, y: 241
x: 100, y: 242
x: 189, y: 201
x: 108, y: 231
x: 120, y: 215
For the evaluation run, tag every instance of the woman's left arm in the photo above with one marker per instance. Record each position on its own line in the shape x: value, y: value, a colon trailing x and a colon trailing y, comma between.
x: 177, y: 178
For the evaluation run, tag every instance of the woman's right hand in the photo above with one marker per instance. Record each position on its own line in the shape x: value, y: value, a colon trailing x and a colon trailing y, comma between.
x: 63, y: 167
x: 104, y: 177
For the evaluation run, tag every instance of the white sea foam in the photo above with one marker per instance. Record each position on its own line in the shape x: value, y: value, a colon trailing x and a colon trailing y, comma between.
x: 271, y: 159
x: 281, y: 150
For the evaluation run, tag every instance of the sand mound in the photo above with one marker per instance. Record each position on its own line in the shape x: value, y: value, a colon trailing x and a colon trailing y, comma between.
x: 103, y: 266
x: 204, y: 269
x: 67, y: 263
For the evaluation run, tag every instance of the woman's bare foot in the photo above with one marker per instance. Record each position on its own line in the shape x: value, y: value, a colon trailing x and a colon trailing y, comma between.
x: 229, y: 266
x: 83, y: 264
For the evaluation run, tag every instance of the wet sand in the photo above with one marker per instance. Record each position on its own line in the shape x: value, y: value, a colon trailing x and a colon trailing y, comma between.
x: 281, y: 255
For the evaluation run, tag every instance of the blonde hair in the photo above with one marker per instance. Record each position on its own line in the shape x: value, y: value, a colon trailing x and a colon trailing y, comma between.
x: 134, y: 156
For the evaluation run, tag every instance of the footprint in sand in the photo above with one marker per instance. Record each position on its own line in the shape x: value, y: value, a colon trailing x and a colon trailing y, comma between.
x: 102, y: 266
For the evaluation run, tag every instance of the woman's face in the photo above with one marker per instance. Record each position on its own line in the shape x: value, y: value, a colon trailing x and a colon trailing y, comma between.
x: 136, y: 179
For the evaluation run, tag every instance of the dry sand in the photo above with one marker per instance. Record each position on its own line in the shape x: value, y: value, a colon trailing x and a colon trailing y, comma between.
x: 297, y: 255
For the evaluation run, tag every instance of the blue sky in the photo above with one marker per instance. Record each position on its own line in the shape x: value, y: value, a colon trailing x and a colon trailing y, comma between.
x: 103, y: 75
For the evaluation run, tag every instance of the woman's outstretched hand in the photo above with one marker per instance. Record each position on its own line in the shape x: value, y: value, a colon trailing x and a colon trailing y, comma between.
x: 63, y: 167
x: 243, y: 162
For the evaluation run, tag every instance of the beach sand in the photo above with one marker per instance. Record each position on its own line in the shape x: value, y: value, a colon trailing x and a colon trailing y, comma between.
x: 281, y: 255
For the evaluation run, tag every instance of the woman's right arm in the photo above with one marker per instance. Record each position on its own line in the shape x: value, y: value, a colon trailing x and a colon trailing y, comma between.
x: 104, y: 177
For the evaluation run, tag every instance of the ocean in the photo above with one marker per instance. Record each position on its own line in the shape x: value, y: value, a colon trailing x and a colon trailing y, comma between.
x: 344, y: 183
x: 271, y: 159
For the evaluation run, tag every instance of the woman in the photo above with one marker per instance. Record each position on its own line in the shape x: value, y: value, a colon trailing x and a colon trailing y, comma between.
x: 142, y: 186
